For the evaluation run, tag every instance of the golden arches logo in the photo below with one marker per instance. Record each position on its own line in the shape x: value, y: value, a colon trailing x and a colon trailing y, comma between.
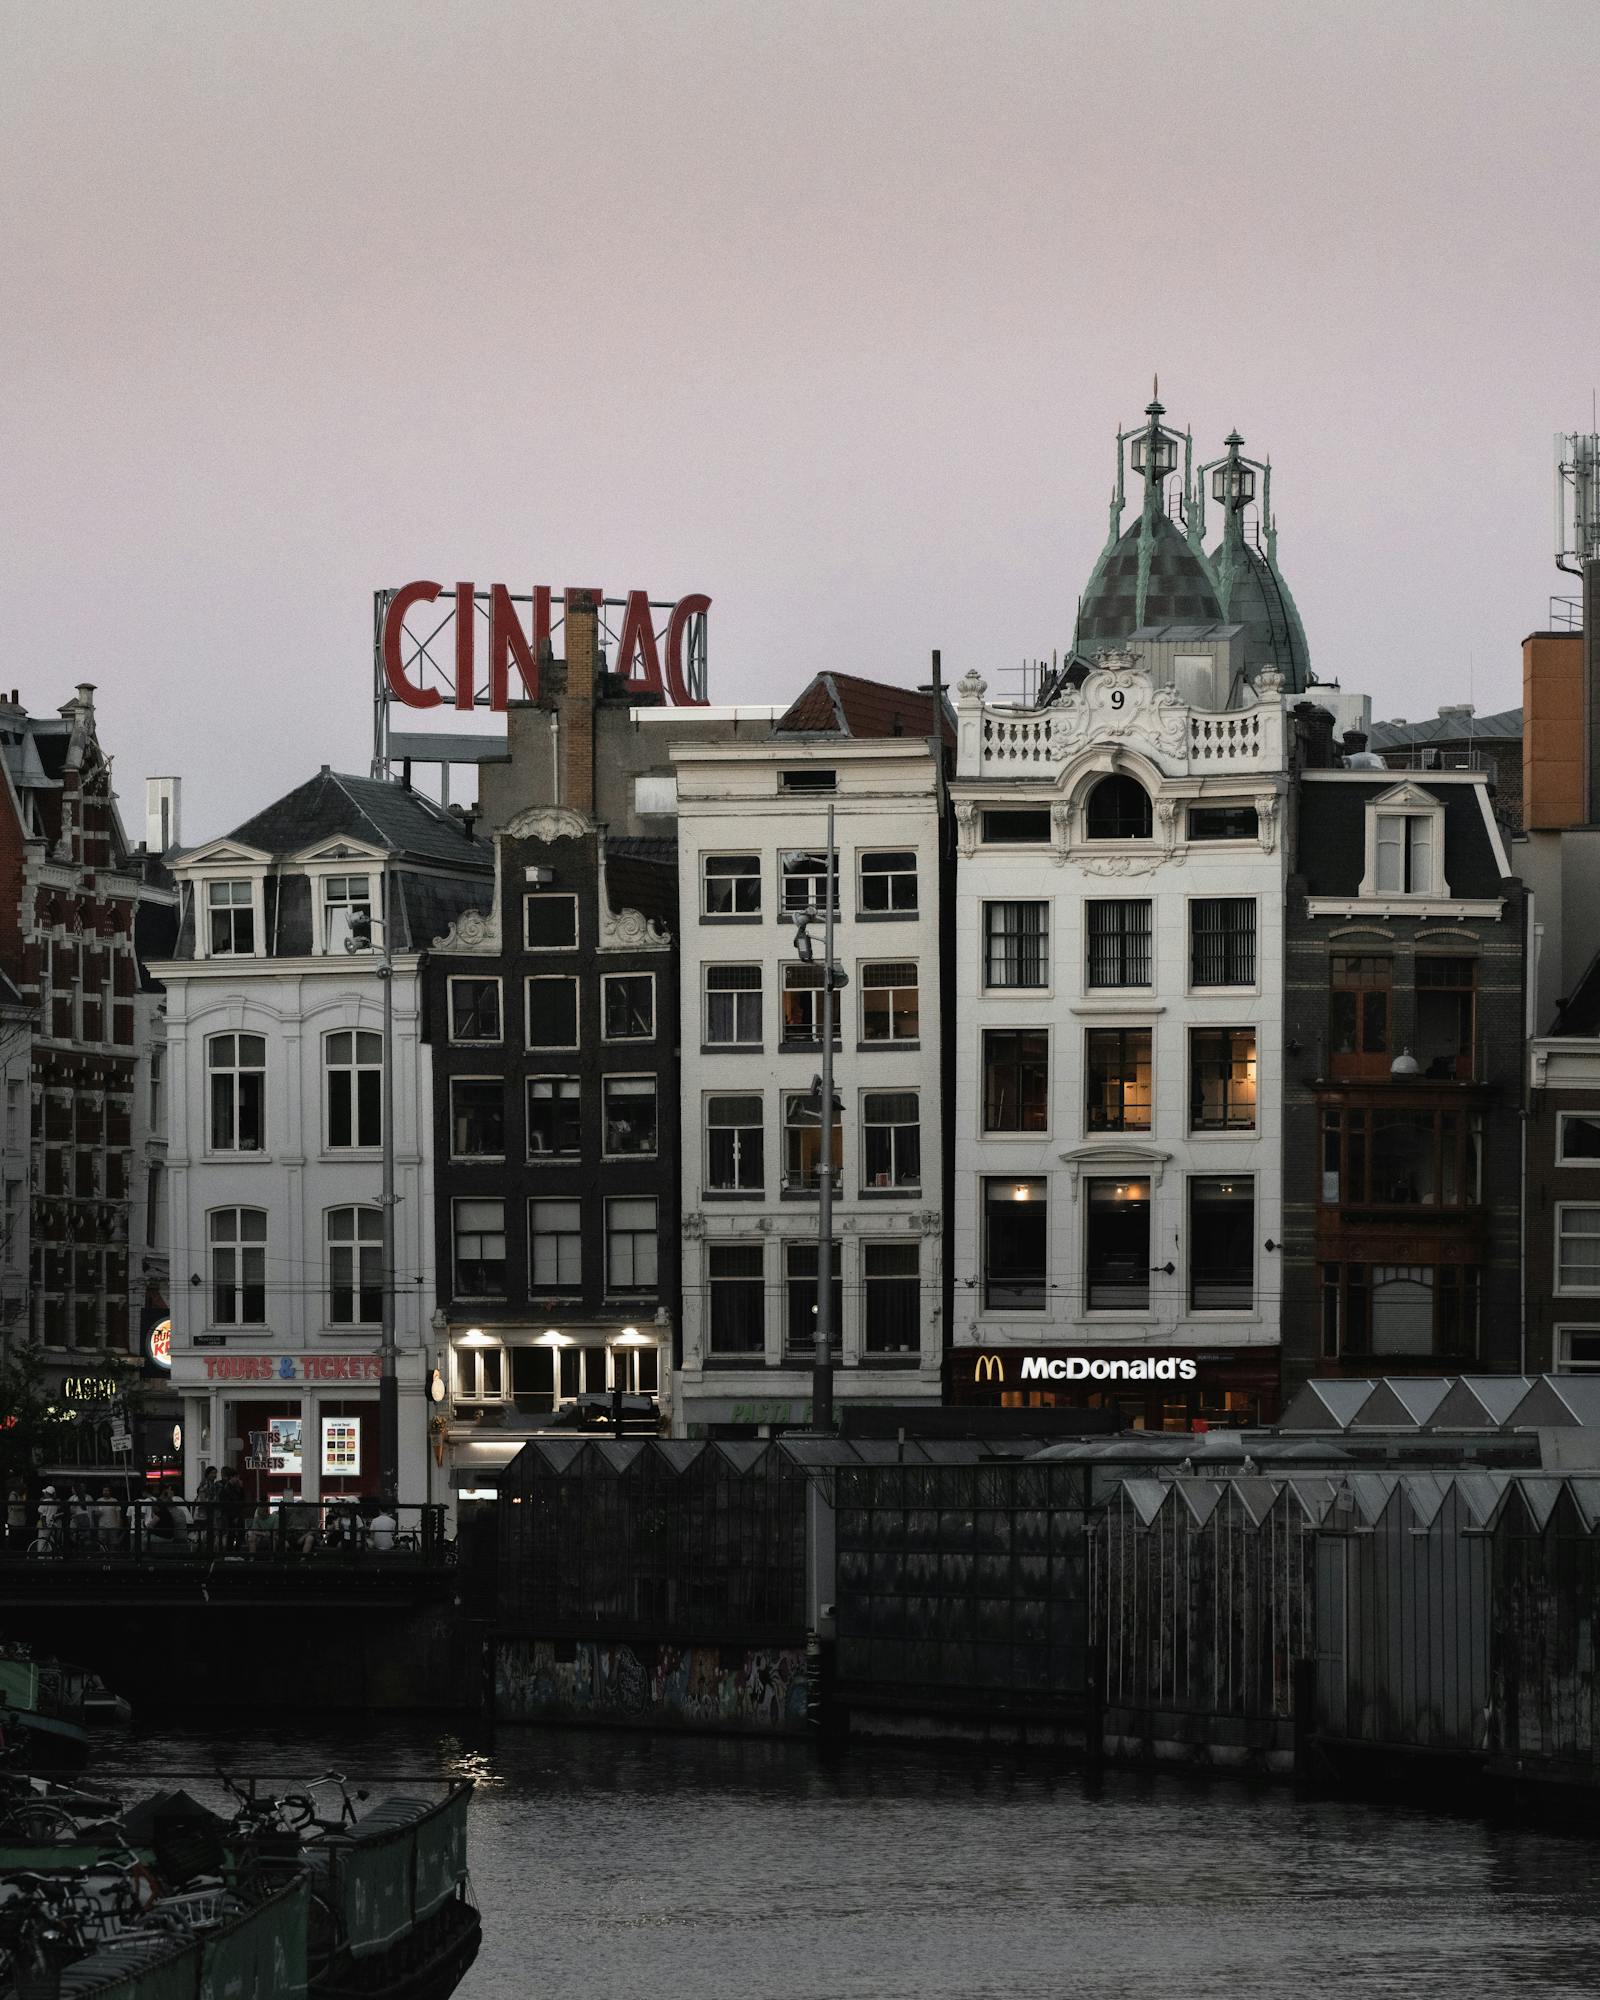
x: 988, y: 1368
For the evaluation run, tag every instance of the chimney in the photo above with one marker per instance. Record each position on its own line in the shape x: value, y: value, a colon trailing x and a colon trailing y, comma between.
x: 577, y: 716
x: 161, y: 814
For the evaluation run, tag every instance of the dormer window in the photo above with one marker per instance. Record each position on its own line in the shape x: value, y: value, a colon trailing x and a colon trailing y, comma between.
x: 343, y: 897
x: 1405, y: 844
x: 230, y: 920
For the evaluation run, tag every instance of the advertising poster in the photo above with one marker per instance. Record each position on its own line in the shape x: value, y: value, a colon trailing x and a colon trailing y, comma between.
x: 283, y: 1447
x: 341, y: 1447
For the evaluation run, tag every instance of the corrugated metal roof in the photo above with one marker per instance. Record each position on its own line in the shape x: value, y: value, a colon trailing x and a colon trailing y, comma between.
x: 1402, y: 1402
x: 1480, y: 1402
x: 1556, y: 1401
x: 1325, y: 1406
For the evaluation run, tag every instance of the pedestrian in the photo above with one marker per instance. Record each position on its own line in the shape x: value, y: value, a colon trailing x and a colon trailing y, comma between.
x: 231, y: 1502
x: 49, y: 1522
x: 80, y: 1520
x: 206, y: 1496
x: 17, y: 1515
x: 381, y: 1529
x: 108, y: 1520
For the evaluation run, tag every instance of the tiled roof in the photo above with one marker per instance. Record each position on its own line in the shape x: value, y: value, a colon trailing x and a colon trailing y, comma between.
x: 392, y: 815
x: 846, y: 705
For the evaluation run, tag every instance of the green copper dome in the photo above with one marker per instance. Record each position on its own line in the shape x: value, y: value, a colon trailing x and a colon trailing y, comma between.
x: 1178, y: 588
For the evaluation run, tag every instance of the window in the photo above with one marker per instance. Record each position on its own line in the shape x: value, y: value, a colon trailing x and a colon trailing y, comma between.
x: 550, y: 922
x: 1117, y: 1074
x: 237, y: 1065
x: 1445, y: 992
x: 1358, y: 1015
x: 1222, y: 941
x: 158, y: 1097
x: 355, y: 1266
x: 1222, y: 1079
x: 1002, y: 828
x: 477, y: 1118
x: 631, y: 1244
x: 1577, y: 1139
x: 1118, y: 809
x: 889, y: 884
x: 1401, y: 1159
x: 1117, y: 1253
x: 734, y: 1151
x: 353, y: 1063
x: 1222, y: 1244
x: 811, y: 778
x: 802, y: 1143
x: 343, y: 897
x: 238, y: 1239
x: 891, y: 1139
x: 553, y: 1116
x: 1577, y: 1247
x: 733, y: 1006
x: 891, y: 1295
x: 1016, y: 944
x: 1406, y: 853
x: 1400, y: 1309
x: 731, y: 885
x: 555, y: 1246
x: 481, y: 1373
x: 629, y: 1107
x: 802, y: 1005
x: 1223, y: 823
x: 737, y: 1298
x: 474, y: 1010
x: 628, y: 1006
x: 1119, y: 943
x: 889, y: 1002
x: 1014, y: 1218
x: 552, y: 1013
x: 1578, y: 1350
x: 801, y: 1297
x: 533, y: 1378
x: 480, y: 1249
x: 230, y: 919
x: 804, y: 874
x: 1016, y: 1080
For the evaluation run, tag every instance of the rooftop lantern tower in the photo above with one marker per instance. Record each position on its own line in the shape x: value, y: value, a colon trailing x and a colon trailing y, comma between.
x: 1250, y: 586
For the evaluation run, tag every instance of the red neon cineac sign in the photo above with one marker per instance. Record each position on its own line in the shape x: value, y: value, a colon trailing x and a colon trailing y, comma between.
x: 649, y: 660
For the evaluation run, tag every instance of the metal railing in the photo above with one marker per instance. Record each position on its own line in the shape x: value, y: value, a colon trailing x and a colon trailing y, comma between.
x: 153, y: 1531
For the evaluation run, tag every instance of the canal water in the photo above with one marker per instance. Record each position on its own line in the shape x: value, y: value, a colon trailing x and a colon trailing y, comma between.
x: 612, y: 1865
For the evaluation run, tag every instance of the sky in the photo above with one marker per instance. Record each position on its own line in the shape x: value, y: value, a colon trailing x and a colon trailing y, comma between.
x: 831, y: 311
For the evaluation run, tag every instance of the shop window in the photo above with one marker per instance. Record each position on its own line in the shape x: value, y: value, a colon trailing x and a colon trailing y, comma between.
x: 1117, y: 1072
x: 802, y: 1144
x: 480, y: 1249
x: 891, y: 1140
x: 237, y: 1068
x: 1015, y: 1216
x: 355, y: 1266
x: 889, y: 883
x: 737, y: 1298
x: 238, y: 1243
x: 481, y: 1373
x: 344, y: 898
x: 731, y: 885
x: 1222, y: 941
x: 1016, y: 827
x: 353, y: 1065
x: 1016, y: 1080
x: 1118, y: 943
x: 1359, y: 1015
x: 1445, y: 996
x: 889, y: 1011
x: 552, y: 1013
x: 1016, y: 944
x: 553, y: 1117
x: 733, y: 1006
x: 802, y: 1006
x: 628, y: 1006
x: 1578, y: 1350
x: 1117, y: 1247
x: 230, y: 920
x: 555, y: 1240
x: 1118, y: 809
x: 891, y: 1292
x: 1222, y: 1079
x: 550, y: 922
x: 1222, y: 1243
x: 533, y: 1379
x: 628, y: 1105
x: 474, y: 1010
x: 477, y: 1118
x: 734, y: 1146
x: 805, y: 877
x: 1223, y: 823
x: 1577, y: 1139
x: 630, y: 1244
x: 1577, y: 1247
x: 801, y: 1295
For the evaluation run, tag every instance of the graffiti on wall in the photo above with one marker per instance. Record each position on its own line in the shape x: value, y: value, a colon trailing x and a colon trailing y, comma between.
x: 693, y: 1687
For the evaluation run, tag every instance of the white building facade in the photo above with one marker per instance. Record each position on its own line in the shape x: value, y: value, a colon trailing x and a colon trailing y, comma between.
x: 1117, y: 1205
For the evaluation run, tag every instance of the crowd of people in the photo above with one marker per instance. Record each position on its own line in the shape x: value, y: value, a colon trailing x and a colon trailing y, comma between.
x: 74, y: 1520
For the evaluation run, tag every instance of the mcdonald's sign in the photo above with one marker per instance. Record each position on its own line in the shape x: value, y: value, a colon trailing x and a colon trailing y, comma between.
x: 989, y: 1368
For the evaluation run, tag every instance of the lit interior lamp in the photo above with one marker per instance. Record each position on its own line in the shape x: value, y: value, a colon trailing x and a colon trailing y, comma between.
x: 630, y: 1336
x: 550, y: 1338
x: 1022, y: 1192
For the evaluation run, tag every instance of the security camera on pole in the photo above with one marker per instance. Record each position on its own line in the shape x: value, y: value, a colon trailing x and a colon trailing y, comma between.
x: 360, y: 938
x: 833, y: 979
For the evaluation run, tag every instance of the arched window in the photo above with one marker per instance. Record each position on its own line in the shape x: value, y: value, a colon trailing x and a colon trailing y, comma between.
x: 1119, y: 809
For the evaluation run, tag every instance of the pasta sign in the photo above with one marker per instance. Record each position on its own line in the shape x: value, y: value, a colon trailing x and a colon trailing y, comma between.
x: 641, y: 659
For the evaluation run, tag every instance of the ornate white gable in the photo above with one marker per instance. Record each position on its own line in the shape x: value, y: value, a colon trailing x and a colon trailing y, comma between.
x: 1118, y: 704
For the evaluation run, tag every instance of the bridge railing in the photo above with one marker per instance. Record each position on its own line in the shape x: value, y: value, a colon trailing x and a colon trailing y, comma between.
x: 124, y: 1532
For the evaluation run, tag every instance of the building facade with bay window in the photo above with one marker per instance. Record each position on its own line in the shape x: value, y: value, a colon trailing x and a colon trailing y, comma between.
x: 273, y: 1082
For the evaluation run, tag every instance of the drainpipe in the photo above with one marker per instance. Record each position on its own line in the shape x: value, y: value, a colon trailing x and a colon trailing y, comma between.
x: 1529, y: 991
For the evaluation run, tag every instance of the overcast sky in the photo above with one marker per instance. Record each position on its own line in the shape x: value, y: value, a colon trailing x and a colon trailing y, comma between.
x: 831, y: 311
